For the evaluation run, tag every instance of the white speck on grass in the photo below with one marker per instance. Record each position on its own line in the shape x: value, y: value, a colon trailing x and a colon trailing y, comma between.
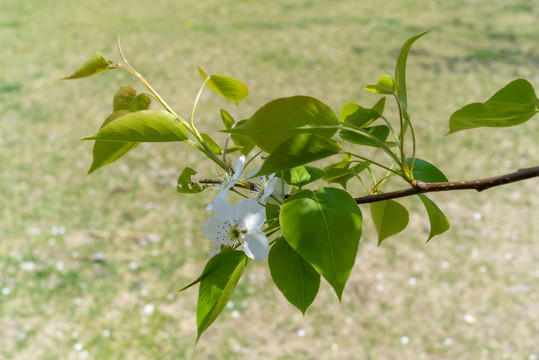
x: 379, y: 276
x: 235, y: 314
x: 171, y: 296
x: 536, y: 273
x: 59, y: 334
x: 144, y: 292
x: 75, y: 334
x: 75, y: 254
x: 6, y: 291
x: 252, y: 276
x: 380, y: 287
x: 148, y: 310
x: 420, y: 256
x: 445, y: 264
x: 348, y: 320
x: 52, y: 241
x: 165, y: 335
x: 132, y: 265
x: 84, y: 354
x: 448, y: 341
x: 475, y: 254
x: 106, y: 333
x: 230, y: 305
x: 470, y: 319
x: 412, y: 281
x: 477, y: 216
x: 78, y: 347
x: 508, y: 256
x: 405, y: 340
x: 482, y: 269
x: 23, y: 336
x: 155, y: 252
x: 334, y: 347
x: 300, y: 332
x: 532, y: 357
x: 59, y: 266
x: 27, y: 266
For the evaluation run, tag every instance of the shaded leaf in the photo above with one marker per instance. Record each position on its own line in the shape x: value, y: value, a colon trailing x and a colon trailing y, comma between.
x: 425, y: 171
x: 228, y: 121
x: 302, y: 175
x: 186, y: 185
x: 283, y: 118
x: 142, y: 126
x: 514, y: 104
x: 244, y: 142
x: 389, y: 218
x: 94, y: 65
x: 293, y: 275
x: 211, y: 144
x: 380, y: 132
x: 357, y: 115
x: 298, y: 150
x: 229, y: 88
x: 324, y: 227
x: 438, y: 221
x: 342, y: 174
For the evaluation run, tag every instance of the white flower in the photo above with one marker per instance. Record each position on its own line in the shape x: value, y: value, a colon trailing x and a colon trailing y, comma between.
x: 267, y: 185
x: 237, y: 225
x: 229, y: 179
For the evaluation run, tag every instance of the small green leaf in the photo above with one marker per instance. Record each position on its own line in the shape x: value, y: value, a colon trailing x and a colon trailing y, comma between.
x: 389, y: 218
x: 324, y: 227
x: 293, y: 275
x: 283, y: 118
x: 298, y: 150
x: 229, y: 88
x: 126, y: 98
x: 515, y: 104
x: 438, y: 221
x: 380, y: 106
x: 228, y: 121
x: 384, y: 86
x: 211, y: 144
x: 380, y: 132
x: 217, y: 282
x: 142, y: 126
x: 302, y: 175
x: 94, y: 65
x: 400, y: 73
x: 186, y: 185
x: 246, y: 144
x: 357, y: 115
x: 342, y: 174
x: 426, y: 172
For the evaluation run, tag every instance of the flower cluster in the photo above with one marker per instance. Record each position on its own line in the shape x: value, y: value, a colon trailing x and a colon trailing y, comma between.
x: 240, y: 225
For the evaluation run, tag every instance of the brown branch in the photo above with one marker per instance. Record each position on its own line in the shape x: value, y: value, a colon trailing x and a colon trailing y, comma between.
x: 420, y: 187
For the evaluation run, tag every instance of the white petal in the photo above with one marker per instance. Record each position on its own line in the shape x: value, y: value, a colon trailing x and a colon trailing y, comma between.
x: 251, y: 214
x: 239, y: 167
x: 278, y: 191
x: 212, y: 229
x: 255, y: 245
x: 224, y: 210
x: 253, y: 172
x: 215, y: 248
x: 269, y: 189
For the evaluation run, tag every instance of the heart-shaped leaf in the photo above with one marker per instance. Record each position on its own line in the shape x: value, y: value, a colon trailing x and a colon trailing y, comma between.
x: 384, y: 86
x: 389, y: 218
x: 426, y: 172
x: 324, y: 227
x: 229, y: 88
x: 302, y: 175
x: 94, y: 65
x: 438, y: 221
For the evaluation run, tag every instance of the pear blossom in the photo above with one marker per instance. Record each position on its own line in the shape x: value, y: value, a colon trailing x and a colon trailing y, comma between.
x: 228, y: 180
x: 237, y: 225
x: 268, y: 185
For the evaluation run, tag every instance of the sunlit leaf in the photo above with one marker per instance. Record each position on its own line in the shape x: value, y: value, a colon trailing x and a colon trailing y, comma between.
x: 142, y: 126
x: 379, y: 132
x: 324, y: 227
x: 357, y: 115
x: 384, y: 86
x: 94, y: 65
x: 293, y: 275
x: 228, y: 120
x: 244, y: 142
x: 229, y: 88
x: 298, y: 150
x: 211, y: 144
x: 426, y: 172
x: 186, y: 185
x: 515, y: 104
x: 438, y: 221
x: 283, y: 118
x: 389, y: 218
x: 302, y: 175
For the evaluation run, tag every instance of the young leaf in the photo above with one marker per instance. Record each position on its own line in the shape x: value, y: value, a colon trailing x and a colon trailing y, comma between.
x: 357, y: 115
x: 302, y: 175
x: 389, y: 218
x: 438, y: 222
x: 211, y: 144
x: 425, y: 171
x: 293, y: 275
x: 142, y: 126
x: 217, y: 281
x: 384, y: 86
x: 342, y: 174
x: 246, y: 144
x: 229, y: 88
x: 106, y: 152
x: 298, y: 150
x: 324, y: 227
x: 283, y: 118
x: 380, y: 132
x: 400, y: 73
x: 94, y: 65
x: 380, y: 106
x: 515, y: 104
x: 186, y: 185
x: 228, y: 121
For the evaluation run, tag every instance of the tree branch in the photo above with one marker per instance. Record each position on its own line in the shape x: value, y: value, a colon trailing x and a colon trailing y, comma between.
x: 419, y: 187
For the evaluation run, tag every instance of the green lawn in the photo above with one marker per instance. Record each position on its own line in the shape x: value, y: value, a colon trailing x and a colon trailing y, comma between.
x: 90, y: 265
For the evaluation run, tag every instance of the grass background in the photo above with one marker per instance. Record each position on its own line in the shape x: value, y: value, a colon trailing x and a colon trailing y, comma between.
x: 469, y: 294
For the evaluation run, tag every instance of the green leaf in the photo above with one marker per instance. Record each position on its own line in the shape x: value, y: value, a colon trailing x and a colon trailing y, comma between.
x: 380, y: 106
x: 438, y: 221
x: 246, y: 144
x: 283, y: 118
x: 380, y: 132
x: 303, y: 175
x: 94, y: 65
x: 389, y: 218
x: 218, y: 280
x: 293, y: 275
x: 324, y: 227
x: 342, y: 174
x: 426, y: 172
x: 126, y: 98
x: 515, y: 104
x: 229, y: 88
x: 400, y: 73
x: 142, y: 126
x: 384, y: 86
x: 357, y: 115
x: 298, y: 150
x: 186, y: 185
x: 228, y: 121
x: 211, y: 144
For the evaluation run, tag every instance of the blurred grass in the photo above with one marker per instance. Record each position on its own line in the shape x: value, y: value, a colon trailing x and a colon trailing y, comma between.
x: 82, y: 257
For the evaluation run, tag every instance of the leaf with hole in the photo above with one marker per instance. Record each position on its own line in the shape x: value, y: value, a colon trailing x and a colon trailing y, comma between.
x: 186, y: 185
